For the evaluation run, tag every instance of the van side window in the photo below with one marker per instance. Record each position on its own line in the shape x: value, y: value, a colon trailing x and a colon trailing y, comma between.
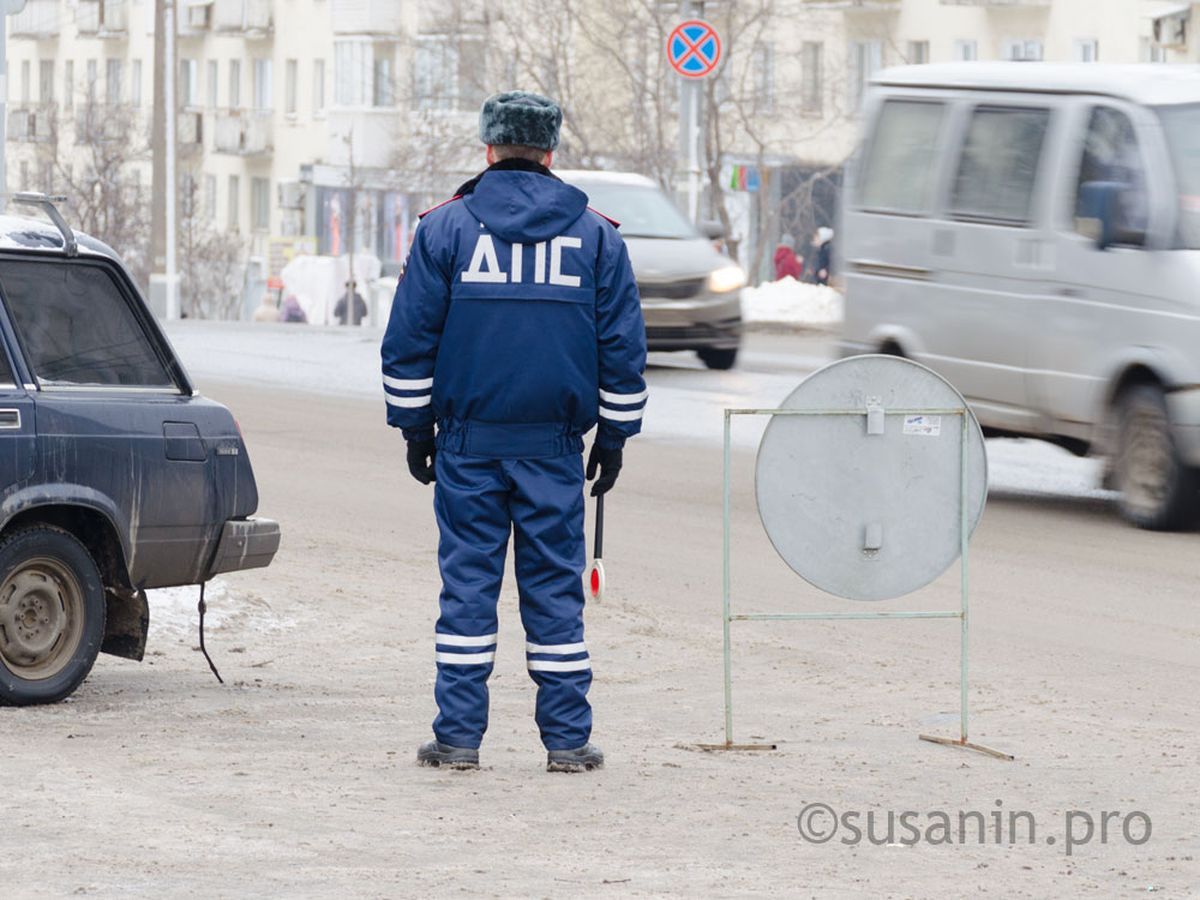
x: 899, y: 174
x: 77, y: 327
x: 999, y: 165
x: 1111, y: 155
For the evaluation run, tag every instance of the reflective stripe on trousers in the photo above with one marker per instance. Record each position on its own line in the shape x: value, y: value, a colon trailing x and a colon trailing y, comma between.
x: 478, y: 503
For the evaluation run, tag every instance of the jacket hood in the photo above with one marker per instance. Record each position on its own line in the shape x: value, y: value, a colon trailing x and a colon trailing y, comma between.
x: 524, y: 206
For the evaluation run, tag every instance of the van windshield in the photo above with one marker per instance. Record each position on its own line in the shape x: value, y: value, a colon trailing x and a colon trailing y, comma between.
x: 642, y: 211
x: 1182, y: 127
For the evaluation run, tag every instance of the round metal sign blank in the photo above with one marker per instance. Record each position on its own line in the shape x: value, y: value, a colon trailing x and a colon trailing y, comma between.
x: 867, y: 506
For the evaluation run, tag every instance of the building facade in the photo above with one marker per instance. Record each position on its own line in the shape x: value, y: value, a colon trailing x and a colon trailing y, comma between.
x: 327, y: 125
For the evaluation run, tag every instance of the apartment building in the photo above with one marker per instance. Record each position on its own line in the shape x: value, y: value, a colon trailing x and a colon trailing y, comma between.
x: 336, y: 121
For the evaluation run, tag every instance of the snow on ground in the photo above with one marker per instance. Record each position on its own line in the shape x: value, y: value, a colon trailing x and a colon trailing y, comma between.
x: 791, y: 302
x: 174, y: 615
x: 686, y: 401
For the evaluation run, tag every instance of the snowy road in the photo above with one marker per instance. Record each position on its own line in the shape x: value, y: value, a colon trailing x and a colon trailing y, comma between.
x: 686, y: 399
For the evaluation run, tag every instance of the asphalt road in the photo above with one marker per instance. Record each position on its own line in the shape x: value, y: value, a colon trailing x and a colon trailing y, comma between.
x: 296, y: 778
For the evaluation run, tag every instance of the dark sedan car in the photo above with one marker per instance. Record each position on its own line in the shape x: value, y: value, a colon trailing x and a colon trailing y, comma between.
x: 115, y: 475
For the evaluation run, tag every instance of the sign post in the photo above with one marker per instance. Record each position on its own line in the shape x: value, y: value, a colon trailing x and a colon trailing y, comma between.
x: 7, y: 8
x: 694, y: 52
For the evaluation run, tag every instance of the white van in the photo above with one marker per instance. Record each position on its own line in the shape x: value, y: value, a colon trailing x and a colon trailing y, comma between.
x: 1032, y: 232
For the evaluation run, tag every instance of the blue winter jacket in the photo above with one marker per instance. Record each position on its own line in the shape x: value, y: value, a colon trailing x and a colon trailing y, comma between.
x: 517, y: 325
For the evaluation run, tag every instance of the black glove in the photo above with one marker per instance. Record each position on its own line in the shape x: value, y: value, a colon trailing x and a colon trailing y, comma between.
x: 421, y: 456
x: 609, y: 461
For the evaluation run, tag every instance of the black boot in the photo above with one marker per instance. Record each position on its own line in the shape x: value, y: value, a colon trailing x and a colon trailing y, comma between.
x: 581, y: 759
x: 436, y: 754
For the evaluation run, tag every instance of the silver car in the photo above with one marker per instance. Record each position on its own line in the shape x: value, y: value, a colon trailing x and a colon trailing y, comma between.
x: 691, y: 294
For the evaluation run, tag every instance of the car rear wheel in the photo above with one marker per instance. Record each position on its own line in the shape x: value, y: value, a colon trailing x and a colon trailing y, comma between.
x: 52, y: 614
x: 1158, y: 491
x: 718, y: 358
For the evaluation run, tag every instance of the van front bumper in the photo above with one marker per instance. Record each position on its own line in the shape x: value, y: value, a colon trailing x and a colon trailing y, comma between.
x: 1183, y: 408
x: 245, y: 544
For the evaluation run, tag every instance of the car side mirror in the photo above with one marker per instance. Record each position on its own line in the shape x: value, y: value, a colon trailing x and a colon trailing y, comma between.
x: 1102, y: 207
x: 712, y: 229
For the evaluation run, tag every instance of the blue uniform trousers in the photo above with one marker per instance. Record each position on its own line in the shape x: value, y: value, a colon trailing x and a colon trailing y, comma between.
x: 478, y: 501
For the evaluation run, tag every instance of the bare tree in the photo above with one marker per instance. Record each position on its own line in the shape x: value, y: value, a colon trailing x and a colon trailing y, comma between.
x: 210, y: 261
x: 100, y: 174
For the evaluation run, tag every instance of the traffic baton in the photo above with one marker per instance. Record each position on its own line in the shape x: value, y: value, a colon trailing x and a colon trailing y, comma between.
x: 596, y: 573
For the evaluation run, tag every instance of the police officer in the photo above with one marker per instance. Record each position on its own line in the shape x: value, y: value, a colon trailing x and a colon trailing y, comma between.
x: 515, y: 329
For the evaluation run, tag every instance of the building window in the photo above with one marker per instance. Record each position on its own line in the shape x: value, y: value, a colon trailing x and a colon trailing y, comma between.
x: 26, y: 87
x: 69, y: 83
x: 318, y: 86
x: 235, y: 200
x: 46, y: 81
x: 812, y: 75
x: 290, y: 87
x: 113, y: 70
x: 260, y: 204
x: 1027, y: 51
x: 213, y: 84
x: 866, y: 58
x: 135, y: 83
x: 364, y: 74
x: 262, y: 84
x: 918, y: 53
x: 384, y: 82
x: 210, y: 197
x: 1087, y: 50
x: 235, y: 84
x: 763, y: 68
x: 450, y: 72
x: 93, y: 74
x: 966, y: 51
x: 189, y: 82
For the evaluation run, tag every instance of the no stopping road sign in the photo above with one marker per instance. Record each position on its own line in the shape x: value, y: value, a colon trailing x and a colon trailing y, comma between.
x: 694, y: 48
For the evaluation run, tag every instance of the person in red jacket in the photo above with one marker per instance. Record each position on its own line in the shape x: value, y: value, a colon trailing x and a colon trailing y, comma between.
x: 786, y: 260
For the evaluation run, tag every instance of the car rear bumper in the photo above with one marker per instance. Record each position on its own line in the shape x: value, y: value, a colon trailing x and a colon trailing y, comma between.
x: 245, y: 544
x: 693, y: 325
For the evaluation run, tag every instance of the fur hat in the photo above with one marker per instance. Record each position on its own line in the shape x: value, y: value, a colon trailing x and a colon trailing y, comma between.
x: 521, y: 118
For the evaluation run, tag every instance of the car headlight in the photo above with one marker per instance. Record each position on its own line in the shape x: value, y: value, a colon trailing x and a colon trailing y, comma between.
x: 726, y: 279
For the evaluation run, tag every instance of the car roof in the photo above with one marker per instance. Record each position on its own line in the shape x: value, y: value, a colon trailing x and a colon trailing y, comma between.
x: 1148, y: 83
x: 594, y: 176
x: 26, y: 234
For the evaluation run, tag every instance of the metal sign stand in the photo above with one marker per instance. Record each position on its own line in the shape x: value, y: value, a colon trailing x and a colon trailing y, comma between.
x: 961, y: 613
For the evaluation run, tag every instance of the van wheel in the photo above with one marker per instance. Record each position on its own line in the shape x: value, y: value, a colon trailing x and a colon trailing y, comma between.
x: 51, y: 616
x: 1158, y: 491
x: 720, y: 359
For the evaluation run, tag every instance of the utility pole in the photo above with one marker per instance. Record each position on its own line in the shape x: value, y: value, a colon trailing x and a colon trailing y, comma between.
x: 7, y: 8
x: 172, y: 122
x: 164, y: 284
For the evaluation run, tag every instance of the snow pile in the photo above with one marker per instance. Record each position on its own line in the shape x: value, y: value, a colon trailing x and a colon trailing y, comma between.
x: 173, y: 612
x: 791, y: 302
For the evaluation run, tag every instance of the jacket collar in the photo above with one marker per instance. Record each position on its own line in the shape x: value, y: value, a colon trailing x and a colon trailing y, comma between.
x: 506, y: 165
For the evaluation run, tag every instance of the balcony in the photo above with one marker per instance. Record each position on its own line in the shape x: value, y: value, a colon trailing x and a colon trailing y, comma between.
x: 368, y: 17
x: 103, y: 18
x: 195, y: 17
x: 249, y: 17
x: 189, y: 133
x: 30, y: 124
x: 39, y: 20
x: 374, y: 136
x: 244, y: 132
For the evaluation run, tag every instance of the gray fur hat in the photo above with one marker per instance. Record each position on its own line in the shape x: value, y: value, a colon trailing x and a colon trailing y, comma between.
x: 521, y: 118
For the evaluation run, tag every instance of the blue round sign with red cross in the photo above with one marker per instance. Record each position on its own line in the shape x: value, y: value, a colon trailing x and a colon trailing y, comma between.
x: 694, y: 49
